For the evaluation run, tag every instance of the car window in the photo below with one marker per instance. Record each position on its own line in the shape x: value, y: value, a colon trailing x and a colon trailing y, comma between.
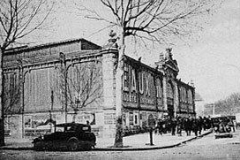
x: 85, y: 128
x: 71, y: 128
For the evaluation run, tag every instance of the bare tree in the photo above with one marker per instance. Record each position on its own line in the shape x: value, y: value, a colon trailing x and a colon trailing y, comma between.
x: 11, y: 95
x: 149, y: 21
x: 153, y: 20
x: 83, y: 86
x: 18, y: 19
x: 228, y: 106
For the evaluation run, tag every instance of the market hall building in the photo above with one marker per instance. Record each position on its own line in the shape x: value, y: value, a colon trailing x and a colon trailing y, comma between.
x: 41, y: 85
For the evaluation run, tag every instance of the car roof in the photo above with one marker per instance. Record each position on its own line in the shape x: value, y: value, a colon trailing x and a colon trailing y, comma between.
x: 71, y: 124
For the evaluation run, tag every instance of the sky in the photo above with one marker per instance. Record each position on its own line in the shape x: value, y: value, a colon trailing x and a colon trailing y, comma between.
x: 213, y: 63
x: 211, y: 60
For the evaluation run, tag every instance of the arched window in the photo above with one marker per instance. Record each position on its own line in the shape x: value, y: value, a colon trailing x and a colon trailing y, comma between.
x: 183, y: 94
x: 159, y: 88
x: 190, y: 98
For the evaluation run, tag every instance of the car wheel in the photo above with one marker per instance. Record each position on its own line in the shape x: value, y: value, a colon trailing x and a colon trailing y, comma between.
x: 38, y: 146
x: 49, y: 146
x: 92, y: 138
x: 87, y: 147
x: 73, y: 145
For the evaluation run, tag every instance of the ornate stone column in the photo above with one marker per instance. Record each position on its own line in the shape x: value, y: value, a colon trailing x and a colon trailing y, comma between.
x: 165, y: 93
x: 109, y: 59
x: 176, y: 98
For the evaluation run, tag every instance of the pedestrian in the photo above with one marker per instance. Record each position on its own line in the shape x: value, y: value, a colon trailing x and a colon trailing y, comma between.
x: 164, y: 126
x: 221, y: 127
x: 234, y: 125
x: 209, y: 122
x: 200, y: 125
x: 204, y: 123
x: 188, y: 126
x: 195, y: 126
x: 231, y: 125
x: 173, y: 126
x: 179, y: 126
x: 160, y: 127
x: 157, y: 128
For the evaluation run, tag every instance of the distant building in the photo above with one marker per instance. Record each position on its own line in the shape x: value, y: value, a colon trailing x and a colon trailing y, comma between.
x: 209, y: 110
x: 199, y: 105
x: 33, y: 98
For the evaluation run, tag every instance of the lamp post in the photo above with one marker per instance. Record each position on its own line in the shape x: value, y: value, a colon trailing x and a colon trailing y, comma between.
x: 22, y: 90
x: 213, y: 108
x: 50, y: 111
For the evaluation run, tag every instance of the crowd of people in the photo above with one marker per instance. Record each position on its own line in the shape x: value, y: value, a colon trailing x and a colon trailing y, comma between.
x: 189, y: 125
x: 178, y: 125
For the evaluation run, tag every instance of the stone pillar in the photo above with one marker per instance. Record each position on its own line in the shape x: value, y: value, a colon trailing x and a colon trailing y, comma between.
x: 165, y: 93
x: 176, y: 98
x: 108, y: 81
x: 109, y: 104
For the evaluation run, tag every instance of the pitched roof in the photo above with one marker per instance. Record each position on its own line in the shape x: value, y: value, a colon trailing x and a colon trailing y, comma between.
x: 52, y: 44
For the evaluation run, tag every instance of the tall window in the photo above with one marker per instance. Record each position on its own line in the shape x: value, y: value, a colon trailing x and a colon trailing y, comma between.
x: 11, y: 97
x: 169, y: 90
x: 190, y: 98
x: 37, y: 90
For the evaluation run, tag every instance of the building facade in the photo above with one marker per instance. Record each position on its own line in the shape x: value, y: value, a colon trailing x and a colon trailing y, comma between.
x: 75, y: 81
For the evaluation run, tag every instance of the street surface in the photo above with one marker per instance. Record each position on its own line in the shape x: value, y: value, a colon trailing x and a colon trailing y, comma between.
x: 203, y: 148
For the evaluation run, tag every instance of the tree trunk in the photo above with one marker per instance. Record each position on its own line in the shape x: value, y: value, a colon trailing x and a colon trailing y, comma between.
x: 119, y: 74
x: 2, y: 142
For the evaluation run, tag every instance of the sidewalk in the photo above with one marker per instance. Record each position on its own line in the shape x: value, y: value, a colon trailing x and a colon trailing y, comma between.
x: 134, y: 142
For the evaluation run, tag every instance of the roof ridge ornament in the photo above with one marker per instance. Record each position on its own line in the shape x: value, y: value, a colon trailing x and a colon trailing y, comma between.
x: 168, y: 54
x: 112, y: 41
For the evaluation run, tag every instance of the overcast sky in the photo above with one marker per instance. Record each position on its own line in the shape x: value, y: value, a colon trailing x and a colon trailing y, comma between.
x: 212, y: 61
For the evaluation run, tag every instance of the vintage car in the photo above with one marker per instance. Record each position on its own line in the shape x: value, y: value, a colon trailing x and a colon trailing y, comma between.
x: 223, y: 130
x: 67, y: 136
x: 225, y: 134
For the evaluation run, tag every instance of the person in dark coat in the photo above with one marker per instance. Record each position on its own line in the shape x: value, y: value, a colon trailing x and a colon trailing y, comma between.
x: 188, y: 126
x: 173, y: 126
x: 179, y: 126
x: 200, y: 125
x: 160, y: 127
x: 204, y: 123
x: 195, y: 126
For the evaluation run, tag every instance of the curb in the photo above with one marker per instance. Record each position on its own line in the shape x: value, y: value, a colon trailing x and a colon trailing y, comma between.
x: 121, y: 149
x: 152, y: 148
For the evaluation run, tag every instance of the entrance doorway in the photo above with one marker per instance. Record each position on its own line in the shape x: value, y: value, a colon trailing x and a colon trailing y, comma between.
x: 170, y: 99
x: 170, y: 111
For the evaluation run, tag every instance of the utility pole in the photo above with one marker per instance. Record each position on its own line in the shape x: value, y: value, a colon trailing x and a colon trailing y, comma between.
x: 51, y: 110
x: 213, y: 109
x: 64, y: 70
x: 21, y: 77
